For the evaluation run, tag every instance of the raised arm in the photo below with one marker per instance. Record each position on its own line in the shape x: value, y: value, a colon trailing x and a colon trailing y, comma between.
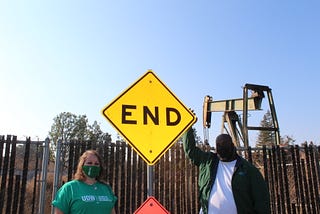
x: 196, y: 155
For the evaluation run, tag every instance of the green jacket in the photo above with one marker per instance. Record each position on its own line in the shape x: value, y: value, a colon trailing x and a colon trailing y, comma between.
x: 249, y: 188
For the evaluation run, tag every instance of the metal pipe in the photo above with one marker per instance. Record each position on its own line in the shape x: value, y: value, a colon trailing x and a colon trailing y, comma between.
x: 43, y: 181
x: 150, y: 180
x: 56, y: 171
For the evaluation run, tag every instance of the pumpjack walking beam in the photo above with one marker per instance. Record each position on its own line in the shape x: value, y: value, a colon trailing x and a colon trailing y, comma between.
x: 245, y: 104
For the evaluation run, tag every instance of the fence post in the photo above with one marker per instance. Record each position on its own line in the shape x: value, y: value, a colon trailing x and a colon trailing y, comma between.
x: 24, y: 175
x: 43, y: 181
x: 56, y: 171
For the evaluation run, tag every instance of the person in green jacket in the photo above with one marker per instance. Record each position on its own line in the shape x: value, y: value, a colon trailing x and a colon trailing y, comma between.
x: 227, y: 182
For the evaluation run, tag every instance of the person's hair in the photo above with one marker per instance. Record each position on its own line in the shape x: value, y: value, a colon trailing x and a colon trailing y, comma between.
x: 79, y: 175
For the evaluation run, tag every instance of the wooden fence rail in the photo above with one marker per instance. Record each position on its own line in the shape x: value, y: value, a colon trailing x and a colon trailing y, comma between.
x: 292, y: 174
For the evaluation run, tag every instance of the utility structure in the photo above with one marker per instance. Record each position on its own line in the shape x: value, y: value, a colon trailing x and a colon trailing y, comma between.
x: 231, y: 121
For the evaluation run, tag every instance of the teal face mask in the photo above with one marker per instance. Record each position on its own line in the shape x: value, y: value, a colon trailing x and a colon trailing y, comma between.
x: 91, y: 171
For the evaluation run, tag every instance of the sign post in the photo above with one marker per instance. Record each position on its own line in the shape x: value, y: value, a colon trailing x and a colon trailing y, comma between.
x: 150, y: 180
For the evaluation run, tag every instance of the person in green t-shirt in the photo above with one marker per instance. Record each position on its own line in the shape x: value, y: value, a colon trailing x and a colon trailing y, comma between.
x: 87, y: 193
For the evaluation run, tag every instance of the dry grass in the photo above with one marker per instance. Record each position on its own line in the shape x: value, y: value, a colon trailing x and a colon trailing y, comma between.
x: 48, y: 195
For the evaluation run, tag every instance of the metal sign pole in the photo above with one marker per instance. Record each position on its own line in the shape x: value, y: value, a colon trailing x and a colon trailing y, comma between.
x: 150, y: 180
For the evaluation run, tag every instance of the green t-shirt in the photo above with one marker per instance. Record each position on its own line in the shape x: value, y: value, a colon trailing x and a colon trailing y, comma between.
x: 77, y: 197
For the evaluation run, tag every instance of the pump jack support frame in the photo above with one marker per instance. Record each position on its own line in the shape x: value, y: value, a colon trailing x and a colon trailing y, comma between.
x: 245, y: 104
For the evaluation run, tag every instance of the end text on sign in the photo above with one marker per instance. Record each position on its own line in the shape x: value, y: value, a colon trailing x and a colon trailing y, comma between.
x: 172, y: 115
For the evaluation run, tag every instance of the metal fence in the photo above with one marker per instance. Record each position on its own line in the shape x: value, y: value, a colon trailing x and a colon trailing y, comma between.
x: 23, y: 171
x: 292, y: 174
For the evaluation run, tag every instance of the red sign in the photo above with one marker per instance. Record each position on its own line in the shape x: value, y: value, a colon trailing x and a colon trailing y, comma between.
x: 151, y: 205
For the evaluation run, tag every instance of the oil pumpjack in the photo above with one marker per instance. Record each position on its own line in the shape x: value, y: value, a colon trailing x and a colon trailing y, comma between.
x: 231, y: 121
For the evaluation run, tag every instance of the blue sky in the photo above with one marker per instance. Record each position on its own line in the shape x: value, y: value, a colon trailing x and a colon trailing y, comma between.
x: 77, y: 56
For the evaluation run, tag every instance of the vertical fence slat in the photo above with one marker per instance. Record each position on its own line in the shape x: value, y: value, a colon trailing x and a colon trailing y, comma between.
x: 275, y: 188
x: 307, y: 179
x: 144, y: 193
x: 139, y: 186
x: 187, y: 190
x: 24, y: 176
x: 16, y: 194
x: 285, y: 182
x: 5, y: 172
x: 77, y: 148
x: 300, y: 173
x: 71, y: 160
x: 122, y: 175
x: 128, y: 180
x: 281, y: 181
x: 317, y: 176
x: 2, y: 143
x: 310, y: 180
x: 11, y: 174
x: 35, y: 178
x: 176, y: 181
x: 116, y: 175
x: 167, y: 193
x: 179, y: 181
x: 134, y: 184
x: 305, y: 184
x: 296, y: 183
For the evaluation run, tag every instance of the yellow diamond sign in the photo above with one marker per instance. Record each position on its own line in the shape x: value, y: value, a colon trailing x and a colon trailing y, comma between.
x: 149, y: 116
